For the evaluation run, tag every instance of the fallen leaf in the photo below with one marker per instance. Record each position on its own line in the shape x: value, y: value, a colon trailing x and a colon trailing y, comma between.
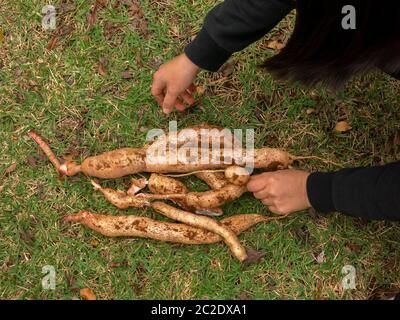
x: 352, y: 247
x: 101, y: 69
x: 19, y: 97
x: 138, y: 59
x: 11, y: 168
x: 52, y: 43
x: 134, y: 10
x: 87, y: 294
x: 310, y: 111
x: 243, y: 296
x: 396, y: 138
x: 200, y: 90
x: 119, y: 264
x: 18, y: 71
x: 94, y: 243
x: 127, y: 74
x: 71, y: 281
x: 31, y: 161
x: 321, y: 257
x: 227, y: 69
x: 1, y: 35
x: 342, y: 126
x: 253, y: 256
x: 92, y: 16
x: 275, y: 45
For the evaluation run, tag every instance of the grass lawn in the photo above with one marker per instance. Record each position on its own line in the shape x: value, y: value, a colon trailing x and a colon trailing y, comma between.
x: 70, y: 85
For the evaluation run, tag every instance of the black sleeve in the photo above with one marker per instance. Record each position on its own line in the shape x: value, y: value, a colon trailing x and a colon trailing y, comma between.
x: 233, y: 25
x: 372, y: 193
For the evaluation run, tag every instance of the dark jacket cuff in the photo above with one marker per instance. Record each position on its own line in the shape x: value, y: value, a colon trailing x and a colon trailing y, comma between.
x: 204, y: 52
x: 319, y: 191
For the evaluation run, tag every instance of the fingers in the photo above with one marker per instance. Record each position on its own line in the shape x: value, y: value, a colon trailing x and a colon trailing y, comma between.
x: 256, y: 183
x: 192, y: 89
x: 157, y: 90
x: 268, y: 202
x: 188, y: 98
x: 179, y: 105
x: 169, y: 101
x: 262, y: 194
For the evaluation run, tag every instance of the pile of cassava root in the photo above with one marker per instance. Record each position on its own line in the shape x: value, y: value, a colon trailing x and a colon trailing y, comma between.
x: 227, y: 180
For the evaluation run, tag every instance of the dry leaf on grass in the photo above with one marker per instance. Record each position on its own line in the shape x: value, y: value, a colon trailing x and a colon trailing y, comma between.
x: 10, y: 169
x: 119, y: 264
x: 101, y: 69
x: 87, y: 294
x: 138, y: 59
x: 94, y: 243
x: 310, y: 111
x: 52, y: 43
x: 200, y: 90
x: 31, y: 161
x: 127, y: 74
x: 92, y: 16
x: 227, y: 68
x: 342, y: 126
x: 321, y: 257
x: 275, y: 45
x: 1, y: 35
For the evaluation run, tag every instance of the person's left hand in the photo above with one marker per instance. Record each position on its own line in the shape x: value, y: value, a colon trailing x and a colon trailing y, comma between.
x: 282, y: 191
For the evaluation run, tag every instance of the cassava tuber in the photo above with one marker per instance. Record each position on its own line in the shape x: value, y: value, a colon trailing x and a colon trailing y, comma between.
x: 134, y: 226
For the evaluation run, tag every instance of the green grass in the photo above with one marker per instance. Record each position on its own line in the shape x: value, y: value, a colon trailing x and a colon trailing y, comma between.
x: 60, y: 93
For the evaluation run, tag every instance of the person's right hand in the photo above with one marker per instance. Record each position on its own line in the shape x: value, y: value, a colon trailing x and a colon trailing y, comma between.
x: 173, y: 83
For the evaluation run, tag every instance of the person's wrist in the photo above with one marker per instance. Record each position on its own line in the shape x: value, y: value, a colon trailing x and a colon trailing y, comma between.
x: 193, y: 67
x: 305, y: 193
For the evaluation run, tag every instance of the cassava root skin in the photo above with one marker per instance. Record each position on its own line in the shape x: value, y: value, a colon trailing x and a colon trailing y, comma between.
x: 119, y: 198
x: 160, y: 184
x: 205, y: 223
x: 126, y: 161
x: 207, y: 200
x: 236, y: 175
x: 143, y: 227
x: 45, y: 148
x: 215, y: 180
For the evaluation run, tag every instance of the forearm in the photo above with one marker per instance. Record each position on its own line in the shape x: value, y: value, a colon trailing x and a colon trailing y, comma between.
x: 232, y: 26
x: 372, y: 193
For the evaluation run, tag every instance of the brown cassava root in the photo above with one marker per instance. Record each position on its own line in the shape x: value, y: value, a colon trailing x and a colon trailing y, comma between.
x: 192, y: 201
x: 134, y: 226
x: 126, y: 161
x: 205, y: 223
x: 226, y: 177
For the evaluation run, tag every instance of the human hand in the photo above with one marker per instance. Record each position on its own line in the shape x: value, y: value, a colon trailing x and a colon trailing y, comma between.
x: 173, y: 83
x: 282, y: 191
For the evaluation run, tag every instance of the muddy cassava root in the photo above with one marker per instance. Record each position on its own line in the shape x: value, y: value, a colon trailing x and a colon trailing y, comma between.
x: 143, y: 227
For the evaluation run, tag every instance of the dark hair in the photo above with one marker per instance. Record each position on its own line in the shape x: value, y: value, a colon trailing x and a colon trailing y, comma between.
x: 321, y: 50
